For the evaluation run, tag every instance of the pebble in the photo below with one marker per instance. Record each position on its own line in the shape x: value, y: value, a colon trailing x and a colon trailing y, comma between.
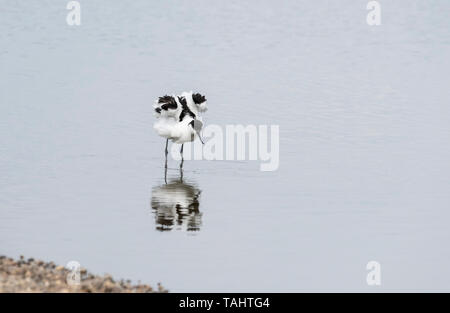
x: 30, y: 275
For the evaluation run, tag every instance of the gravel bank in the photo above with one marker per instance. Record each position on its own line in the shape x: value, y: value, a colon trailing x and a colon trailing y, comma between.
x: 30, y: 275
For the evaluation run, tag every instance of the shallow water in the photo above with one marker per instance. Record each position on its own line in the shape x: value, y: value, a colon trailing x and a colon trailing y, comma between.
x: 364, y: 121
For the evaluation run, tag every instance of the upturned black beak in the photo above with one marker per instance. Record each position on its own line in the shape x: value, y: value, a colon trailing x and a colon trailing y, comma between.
x: 200, y: 137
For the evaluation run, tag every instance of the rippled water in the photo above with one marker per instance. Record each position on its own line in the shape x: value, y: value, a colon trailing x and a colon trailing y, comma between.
x: 364, y: 121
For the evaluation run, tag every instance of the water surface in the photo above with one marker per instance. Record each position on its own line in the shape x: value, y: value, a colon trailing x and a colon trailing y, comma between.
x: 364, y: 121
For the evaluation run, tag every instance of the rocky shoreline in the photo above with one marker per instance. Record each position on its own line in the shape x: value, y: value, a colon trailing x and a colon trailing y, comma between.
x: 30, y: 275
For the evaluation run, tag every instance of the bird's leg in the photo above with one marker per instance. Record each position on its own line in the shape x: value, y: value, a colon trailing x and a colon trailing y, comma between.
x: 167, y: 152
x: 181, y: 164
x: 167, y: 143
x: 182, y: 158
x: 165, y: 174
x: 181, y: 172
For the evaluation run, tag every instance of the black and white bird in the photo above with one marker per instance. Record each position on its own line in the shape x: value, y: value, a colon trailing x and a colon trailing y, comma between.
x: 178, y: 118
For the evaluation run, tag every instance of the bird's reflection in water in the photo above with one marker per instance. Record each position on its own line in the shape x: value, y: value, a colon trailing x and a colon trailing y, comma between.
x: 176, y: 205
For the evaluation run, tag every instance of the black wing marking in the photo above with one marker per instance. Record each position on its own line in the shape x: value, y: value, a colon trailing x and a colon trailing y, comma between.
x: 186, y: 110
x: 198, y: 98
x: 167, y: 102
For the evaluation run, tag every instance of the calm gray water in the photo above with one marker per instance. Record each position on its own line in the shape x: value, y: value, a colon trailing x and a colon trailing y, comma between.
x: 364, y: 116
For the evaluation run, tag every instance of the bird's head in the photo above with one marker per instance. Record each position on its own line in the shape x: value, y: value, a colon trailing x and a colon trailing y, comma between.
x: 197, y: 126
